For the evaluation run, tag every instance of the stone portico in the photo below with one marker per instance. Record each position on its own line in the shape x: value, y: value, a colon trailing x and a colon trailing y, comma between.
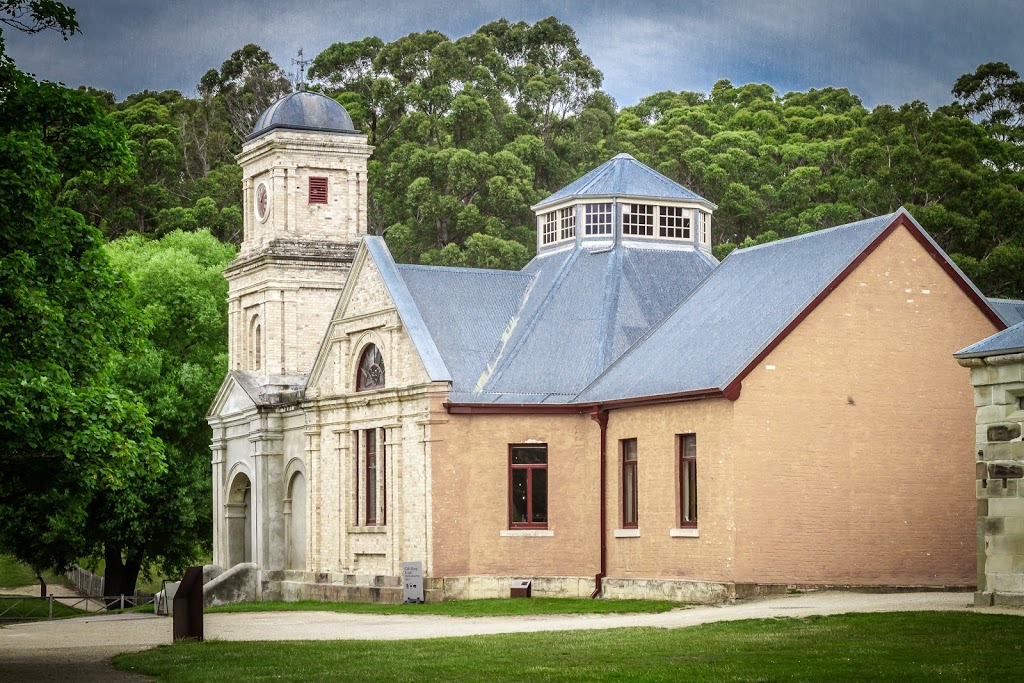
x: 997, y: 373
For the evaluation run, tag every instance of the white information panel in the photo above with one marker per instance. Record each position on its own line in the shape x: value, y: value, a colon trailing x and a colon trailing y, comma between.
x: 412, y: 581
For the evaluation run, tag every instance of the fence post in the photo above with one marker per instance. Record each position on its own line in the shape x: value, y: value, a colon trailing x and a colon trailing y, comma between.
x: 50, y: 601
x: 122, y: 600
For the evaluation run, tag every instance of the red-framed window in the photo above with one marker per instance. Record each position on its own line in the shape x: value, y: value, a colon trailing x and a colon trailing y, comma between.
x: 370, y: 480
x: 687, y: 445
x: 317, y: 190
x: 370, y: 462
x: 630, y: 501
x: 355, y: 470
x: 384, y: 476
x: 528, y: 486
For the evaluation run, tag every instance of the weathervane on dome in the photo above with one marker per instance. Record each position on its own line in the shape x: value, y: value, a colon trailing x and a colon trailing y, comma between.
x: 300, y: 76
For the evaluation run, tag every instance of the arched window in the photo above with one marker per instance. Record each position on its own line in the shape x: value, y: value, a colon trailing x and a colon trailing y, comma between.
x: 255, y: 343
x: 371, y: 369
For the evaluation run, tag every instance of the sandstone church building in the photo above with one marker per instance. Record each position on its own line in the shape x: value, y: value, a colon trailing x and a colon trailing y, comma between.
x: 624, y: 417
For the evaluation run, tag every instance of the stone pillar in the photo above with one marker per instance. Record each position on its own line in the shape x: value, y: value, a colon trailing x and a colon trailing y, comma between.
x: 999, y: 397
x: 218, y: 449
x: 268, y: 492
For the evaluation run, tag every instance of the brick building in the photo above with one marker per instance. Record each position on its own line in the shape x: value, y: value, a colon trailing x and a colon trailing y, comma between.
x: 625, y: 416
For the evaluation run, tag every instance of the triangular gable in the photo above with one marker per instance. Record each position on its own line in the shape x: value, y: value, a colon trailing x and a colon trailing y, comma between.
x: 374, y: 248
x: 231, y: 398
x: 747, y: 306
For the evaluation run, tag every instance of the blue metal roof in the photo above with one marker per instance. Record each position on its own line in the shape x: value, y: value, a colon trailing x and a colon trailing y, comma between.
x: 751, y: 297
x: 1010, y: 340
x: 466, y: 311
x: 624, y: 176
x: 410, y: 314
x: 1010, y: 310
x: 581, y: 310
x: 304, y: 110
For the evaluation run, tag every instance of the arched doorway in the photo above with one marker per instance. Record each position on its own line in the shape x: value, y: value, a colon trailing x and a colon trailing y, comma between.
x: 296, y: 555
x: 237, y: 513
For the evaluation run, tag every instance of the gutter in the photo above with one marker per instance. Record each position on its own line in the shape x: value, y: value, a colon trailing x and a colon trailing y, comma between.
x: 731, y: 392
x: 601, y: 417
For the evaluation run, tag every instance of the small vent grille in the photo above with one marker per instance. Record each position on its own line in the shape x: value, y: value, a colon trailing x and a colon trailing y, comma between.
x: 318, y: 190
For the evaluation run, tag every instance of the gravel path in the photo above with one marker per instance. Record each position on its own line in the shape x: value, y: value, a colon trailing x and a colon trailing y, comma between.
x: 80, y: 649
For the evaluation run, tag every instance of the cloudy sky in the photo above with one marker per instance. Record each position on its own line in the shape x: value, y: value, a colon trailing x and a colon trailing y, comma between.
x: 883, y: 50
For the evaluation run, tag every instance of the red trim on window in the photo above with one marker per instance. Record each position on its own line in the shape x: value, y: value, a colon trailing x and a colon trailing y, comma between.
x: 689, y: 482
x: 317, y: 190
x: 371, y: 481
x: 630, y: 494
x: 529, y: 488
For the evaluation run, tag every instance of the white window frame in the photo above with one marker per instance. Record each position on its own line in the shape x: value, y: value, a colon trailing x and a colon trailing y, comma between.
x: 673, y: 222
x: 567, y: 223
x: 598, y: 218
x: 638, y: 219
x: 549, y: 227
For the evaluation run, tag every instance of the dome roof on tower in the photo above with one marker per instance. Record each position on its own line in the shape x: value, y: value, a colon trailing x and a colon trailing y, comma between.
x: 304, y: 110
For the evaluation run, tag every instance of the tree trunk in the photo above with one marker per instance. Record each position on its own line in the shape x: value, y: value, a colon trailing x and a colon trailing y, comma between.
x: 42, y: 585
x: 120, y: 577
x: 113, y: 575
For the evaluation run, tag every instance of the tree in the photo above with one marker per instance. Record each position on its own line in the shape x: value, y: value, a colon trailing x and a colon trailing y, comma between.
x: 994, y: 93
x: 68, y: 431
x: 180, y: 295
x: 247, y: 83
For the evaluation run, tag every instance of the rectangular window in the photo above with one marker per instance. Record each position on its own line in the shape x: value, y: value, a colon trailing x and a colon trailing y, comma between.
x: 355, y: 470
x: 705, y: 224
x: 598, y: 218
x: 369, y: 467
x: 630, y: 517
x: 549, y: 227
x: 528, y: 486
x: 370, y: 439
x: 687, y: 444
x: 638, y: 219
x: 384, y: 476
x: 567, y: 220
x: 673, y: 223
x: 318, y: 190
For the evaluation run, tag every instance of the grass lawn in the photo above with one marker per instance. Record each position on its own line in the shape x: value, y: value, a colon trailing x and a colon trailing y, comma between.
x: 463, y: 608
x: 913, y: 646
x: 14, y: 574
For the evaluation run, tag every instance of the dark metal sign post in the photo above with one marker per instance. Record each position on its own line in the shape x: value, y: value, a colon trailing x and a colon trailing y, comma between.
x: 188, y: 606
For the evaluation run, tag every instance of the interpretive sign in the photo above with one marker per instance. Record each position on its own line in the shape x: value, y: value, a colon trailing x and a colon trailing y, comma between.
x: 412, y: 581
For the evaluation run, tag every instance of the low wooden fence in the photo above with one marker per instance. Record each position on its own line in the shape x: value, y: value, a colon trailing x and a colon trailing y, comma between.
x: 24, y: 608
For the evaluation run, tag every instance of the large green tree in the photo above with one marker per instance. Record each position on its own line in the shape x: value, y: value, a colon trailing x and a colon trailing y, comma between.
x: 179, y: 295
x: 68, y: 431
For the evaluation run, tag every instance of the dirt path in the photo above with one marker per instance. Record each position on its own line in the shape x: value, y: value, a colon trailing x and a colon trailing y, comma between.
x: 80, y: 649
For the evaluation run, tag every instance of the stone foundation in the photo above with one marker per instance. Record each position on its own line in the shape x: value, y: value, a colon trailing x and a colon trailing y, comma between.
x: 294, y: 586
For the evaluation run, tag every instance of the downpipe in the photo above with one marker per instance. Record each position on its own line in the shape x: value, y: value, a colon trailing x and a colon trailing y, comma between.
x: 601, y: 417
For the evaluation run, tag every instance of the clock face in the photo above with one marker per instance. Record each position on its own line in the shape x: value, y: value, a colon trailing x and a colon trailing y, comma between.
x: 262, y: 201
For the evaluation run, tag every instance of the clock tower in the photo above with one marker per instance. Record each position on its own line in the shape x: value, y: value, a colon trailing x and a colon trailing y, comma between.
x: 304, y: 204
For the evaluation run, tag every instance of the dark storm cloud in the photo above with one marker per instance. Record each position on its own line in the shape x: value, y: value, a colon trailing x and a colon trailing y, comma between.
x: 885, y: 51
